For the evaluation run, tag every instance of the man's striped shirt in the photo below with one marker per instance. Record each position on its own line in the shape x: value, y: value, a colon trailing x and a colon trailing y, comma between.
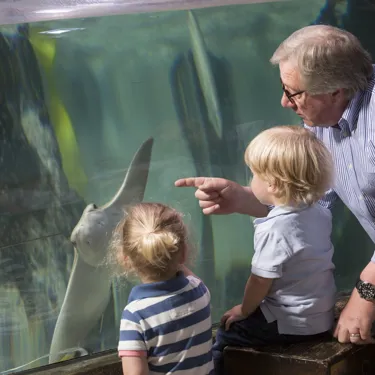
x: 170, y: 323
x: 352, y: 145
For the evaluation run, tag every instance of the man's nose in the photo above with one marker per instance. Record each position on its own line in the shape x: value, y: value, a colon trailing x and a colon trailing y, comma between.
x: 286, y: 103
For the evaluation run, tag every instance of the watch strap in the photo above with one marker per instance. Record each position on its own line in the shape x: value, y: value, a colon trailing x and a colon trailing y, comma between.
x: 365, y: 290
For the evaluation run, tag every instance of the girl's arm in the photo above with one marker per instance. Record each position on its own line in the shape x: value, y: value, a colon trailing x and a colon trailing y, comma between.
x: 135, y: 366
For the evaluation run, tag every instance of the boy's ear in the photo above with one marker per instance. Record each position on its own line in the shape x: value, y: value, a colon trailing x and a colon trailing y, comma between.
x: 271, y: 189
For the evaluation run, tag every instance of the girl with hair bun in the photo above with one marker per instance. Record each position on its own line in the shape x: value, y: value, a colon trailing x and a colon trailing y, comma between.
x: 166, y: 325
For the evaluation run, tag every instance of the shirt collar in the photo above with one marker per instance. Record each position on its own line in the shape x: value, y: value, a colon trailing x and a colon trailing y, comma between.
x: 279, y: 211
x: 349, y: 118
x: 159, y: 288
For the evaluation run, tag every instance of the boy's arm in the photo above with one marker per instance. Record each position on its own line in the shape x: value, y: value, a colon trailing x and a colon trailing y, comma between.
x: 270, y: 253
x: 256, y: 290
x: 135, y: 366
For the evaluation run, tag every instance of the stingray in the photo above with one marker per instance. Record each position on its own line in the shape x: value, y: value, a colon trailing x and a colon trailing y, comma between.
x: 89, y: 287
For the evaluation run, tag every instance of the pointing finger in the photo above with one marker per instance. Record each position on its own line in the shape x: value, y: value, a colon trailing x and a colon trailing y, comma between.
x: 190, y: 182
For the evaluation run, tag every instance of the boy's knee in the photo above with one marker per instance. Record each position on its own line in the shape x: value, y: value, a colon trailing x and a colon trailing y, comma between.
x: 217, y: 349
x: 219, y: 339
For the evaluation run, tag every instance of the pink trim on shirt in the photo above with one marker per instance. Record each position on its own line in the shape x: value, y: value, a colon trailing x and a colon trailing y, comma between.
x: 132, y: 353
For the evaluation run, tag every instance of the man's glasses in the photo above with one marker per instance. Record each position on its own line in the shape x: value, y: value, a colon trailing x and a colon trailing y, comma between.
x: 289, y: 95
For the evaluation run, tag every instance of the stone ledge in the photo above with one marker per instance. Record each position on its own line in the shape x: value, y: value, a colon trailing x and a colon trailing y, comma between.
x: 320, y: 358
x: 310, y: 358
x: 106, y: 363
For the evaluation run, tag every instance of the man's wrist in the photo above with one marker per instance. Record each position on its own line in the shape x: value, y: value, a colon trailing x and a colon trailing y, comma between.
x: 368, y: 273
x: 365, y: 290
x: 365, y: 286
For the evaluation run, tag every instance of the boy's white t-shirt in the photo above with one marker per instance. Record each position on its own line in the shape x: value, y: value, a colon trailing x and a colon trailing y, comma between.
x: 293, y: 246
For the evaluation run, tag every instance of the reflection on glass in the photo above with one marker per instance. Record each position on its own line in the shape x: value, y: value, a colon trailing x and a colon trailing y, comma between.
x: 153, y: 97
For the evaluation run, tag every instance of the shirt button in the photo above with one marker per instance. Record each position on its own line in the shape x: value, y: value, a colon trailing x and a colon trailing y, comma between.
x: 344, y: 134
x: 350, y: 166
x: 361, y: 197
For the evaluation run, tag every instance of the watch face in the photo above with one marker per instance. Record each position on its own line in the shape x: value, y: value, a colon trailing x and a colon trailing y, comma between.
x: 367, y: 291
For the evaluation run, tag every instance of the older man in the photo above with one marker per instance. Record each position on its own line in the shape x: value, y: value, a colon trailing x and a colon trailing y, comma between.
x: 328, y: 80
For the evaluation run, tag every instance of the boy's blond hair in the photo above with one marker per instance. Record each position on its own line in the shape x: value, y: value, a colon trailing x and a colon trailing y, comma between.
x: 293, y: 160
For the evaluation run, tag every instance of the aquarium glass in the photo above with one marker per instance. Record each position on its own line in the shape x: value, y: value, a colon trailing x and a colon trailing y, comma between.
x: 79, y: 97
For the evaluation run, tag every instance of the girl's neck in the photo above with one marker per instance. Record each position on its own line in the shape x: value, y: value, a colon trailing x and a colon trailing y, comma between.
x: 148, y: 280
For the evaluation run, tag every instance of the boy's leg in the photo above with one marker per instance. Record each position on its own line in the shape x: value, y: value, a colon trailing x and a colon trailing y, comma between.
x: 252, y: 331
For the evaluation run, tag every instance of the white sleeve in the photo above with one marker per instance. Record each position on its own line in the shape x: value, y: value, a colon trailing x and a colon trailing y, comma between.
x: 270, y: 253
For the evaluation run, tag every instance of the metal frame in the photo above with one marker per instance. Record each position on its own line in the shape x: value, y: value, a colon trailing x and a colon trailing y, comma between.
x: 22, y: 11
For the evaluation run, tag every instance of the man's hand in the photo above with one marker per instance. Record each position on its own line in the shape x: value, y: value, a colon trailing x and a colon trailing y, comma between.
x: 220, y: 196
x: 231, y: 316
x: 355, y: 321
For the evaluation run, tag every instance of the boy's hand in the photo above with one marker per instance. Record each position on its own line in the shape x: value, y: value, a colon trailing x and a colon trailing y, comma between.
x: 232, y: 315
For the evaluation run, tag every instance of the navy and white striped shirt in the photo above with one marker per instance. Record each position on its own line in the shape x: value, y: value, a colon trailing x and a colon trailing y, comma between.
x: 352, y: 145
x: 170, y: 323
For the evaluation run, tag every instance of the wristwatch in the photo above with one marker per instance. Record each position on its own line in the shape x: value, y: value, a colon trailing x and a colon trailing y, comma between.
x: 365, y: 290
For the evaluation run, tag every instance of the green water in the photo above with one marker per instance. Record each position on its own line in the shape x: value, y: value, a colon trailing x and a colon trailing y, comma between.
x: 121, y: 80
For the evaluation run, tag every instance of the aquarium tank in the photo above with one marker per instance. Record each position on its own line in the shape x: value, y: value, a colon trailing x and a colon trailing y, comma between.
x: 107, y: 103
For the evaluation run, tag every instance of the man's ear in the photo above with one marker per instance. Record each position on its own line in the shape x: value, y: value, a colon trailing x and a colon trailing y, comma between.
x: 338, y: 95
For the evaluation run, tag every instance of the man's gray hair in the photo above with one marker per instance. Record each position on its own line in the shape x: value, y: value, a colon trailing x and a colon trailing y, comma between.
x: 327, y: 59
